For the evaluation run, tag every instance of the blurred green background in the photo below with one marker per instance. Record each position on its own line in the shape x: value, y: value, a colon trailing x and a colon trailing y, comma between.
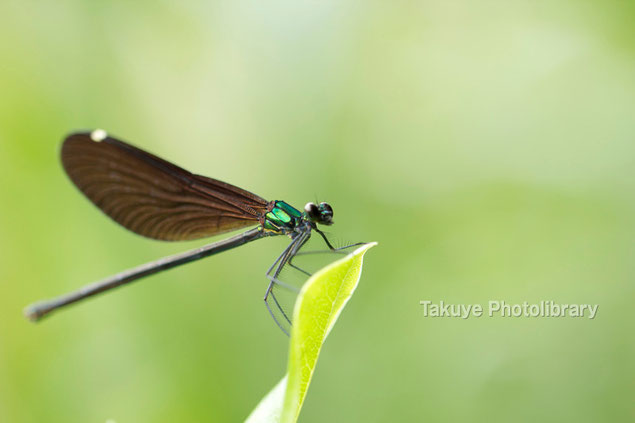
x: 487, y: 146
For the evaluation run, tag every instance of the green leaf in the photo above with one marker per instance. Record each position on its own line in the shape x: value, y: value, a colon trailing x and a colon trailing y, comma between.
x: 317, y: 307
x: 269, y: 409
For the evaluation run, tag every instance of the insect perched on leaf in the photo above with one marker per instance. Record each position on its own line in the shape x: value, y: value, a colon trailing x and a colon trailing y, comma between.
x: 159, y: 200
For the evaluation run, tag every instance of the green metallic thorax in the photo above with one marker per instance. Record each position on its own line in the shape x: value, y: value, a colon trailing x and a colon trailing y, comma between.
x: 282, y: 217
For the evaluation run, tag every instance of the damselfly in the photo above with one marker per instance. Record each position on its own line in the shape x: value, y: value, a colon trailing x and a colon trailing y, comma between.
x: 160, y: 200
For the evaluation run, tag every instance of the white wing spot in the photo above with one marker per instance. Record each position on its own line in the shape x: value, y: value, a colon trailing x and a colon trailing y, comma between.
x: 98, y: 135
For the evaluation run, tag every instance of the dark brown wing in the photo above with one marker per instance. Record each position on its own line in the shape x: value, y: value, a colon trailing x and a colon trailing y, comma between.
x: 152, y: 197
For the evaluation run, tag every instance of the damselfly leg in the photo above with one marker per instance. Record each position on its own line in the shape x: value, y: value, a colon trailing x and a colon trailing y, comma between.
x: 280, y: 306
x: 280, y: 295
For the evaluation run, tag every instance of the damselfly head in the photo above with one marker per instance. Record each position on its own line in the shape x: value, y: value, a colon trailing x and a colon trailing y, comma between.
x: 319, y: 213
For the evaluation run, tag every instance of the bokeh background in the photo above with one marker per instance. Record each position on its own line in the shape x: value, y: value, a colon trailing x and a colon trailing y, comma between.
x: 487, y: 146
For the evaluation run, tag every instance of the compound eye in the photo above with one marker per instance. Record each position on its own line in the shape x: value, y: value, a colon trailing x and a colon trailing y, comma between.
x: 326, y: 207
x: 326, y: 213
x: 312, y: 211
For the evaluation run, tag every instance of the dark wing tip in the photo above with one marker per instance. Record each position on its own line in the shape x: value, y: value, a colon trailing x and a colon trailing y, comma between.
x: 96, y: 135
